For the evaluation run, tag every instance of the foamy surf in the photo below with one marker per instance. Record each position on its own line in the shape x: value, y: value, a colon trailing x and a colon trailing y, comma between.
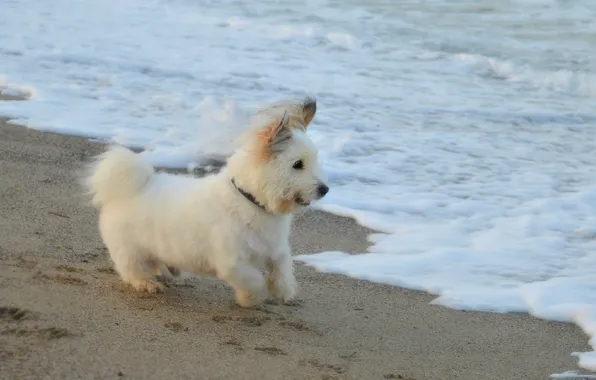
x: 581, y: 84
x: 15, y: 90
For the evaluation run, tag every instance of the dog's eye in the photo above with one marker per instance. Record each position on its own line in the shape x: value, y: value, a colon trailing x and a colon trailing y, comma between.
x: 298, y: 165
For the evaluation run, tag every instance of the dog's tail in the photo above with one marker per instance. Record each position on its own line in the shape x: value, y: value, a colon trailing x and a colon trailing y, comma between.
x: 116, y: 174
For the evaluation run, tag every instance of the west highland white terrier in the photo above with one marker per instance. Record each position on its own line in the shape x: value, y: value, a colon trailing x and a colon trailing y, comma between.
x: 233, y: 225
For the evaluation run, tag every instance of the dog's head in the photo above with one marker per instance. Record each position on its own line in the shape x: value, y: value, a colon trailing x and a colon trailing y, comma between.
x: 278, y: 164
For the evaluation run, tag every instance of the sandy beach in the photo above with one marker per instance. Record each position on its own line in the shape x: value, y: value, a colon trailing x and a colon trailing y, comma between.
x: 65, y: 315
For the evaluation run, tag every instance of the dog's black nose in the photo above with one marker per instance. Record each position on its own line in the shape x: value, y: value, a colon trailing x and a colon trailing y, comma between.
x: 322, y: 189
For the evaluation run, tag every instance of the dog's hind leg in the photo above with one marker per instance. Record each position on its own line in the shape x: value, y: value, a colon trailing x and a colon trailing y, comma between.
x: 281, y: 282
x: 137, y: 270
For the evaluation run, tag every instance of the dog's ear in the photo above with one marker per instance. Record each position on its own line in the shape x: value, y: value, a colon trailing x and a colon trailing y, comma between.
x: 277, y: 134
x: 309, y: 109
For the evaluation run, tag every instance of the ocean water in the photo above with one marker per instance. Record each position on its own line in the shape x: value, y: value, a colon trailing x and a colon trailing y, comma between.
x: 463, y: 131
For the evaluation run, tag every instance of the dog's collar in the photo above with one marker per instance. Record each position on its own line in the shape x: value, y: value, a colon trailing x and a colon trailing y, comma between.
x: 249, y: 197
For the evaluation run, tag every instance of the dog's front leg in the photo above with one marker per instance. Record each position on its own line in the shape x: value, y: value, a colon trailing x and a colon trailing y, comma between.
x: 281, y: 281
x: 248, y: 283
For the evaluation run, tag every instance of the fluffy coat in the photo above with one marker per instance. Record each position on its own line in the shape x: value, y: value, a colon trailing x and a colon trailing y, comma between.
x: 152, y: 221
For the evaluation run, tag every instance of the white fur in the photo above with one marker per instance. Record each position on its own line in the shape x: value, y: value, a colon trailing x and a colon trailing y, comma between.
x: 205, y: 226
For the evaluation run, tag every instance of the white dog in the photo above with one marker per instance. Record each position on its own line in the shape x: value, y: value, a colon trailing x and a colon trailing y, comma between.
x: 234, y: 225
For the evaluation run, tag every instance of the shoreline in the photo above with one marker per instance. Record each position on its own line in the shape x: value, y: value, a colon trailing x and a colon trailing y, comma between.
x: 64, y: 314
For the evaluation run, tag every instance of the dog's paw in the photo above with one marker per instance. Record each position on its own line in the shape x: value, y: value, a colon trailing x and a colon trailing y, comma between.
x: 247, y: 300
x: 283, y: 289
x: 167, y: 271
x: 175, y: 272
x: 148, y: 286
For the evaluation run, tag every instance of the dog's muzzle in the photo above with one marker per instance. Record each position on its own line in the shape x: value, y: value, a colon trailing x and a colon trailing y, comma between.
x: 322, y: 190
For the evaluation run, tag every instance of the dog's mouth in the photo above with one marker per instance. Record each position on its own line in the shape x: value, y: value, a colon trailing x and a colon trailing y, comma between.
x: 301, y: 201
